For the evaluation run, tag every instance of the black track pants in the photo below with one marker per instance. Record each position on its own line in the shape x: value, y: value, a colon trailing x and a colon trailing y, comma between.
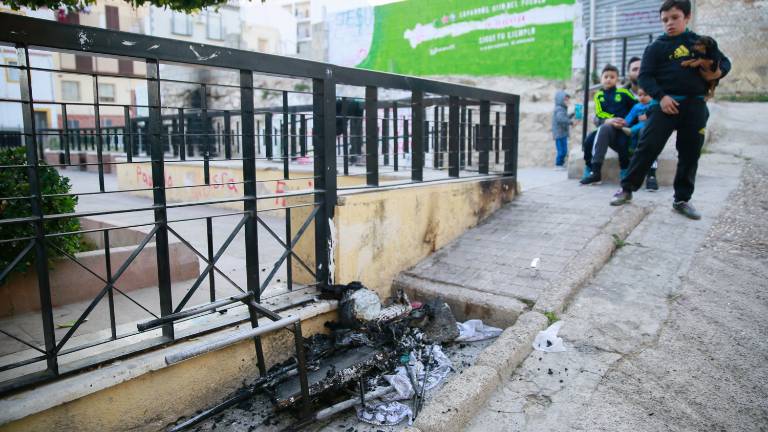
x: 613, y: 138
x: 690, y: 125
x: 586, y: 146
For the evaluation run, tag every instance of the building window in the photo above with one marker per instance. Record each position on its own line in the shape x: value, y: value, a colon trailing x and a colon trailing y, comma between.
x: 263, y: 45
x: 83, y: 63
x: 181, y: 24
x: 70, y: 91
x: 303, y: 31
x: 68, y: 17
x: 106, y: 92
x: 302, y: 10
x: 125, y: 67
x: 213, y: 28
x: 41, y: 120
x: 73, y: 124
x: 304, y: 48
x: 11, y: 73
x: 113, y: 17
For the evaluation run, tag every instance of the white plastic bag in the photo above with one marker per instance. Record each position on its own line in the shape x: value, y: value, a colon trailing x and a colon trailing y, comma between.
x: 401, y: 383
x: 437, y: 373
x: 475, y: 330
x: 548, y: 341
x: 385, y: 414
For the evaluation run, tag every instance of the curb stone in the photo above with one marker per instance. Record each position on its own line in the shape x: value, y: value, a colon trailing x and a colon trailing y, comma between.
x: 458, y: 401
x: 590, y: 260
x: 465, y: 303
x: 513, y: 345
x: 461, y: 398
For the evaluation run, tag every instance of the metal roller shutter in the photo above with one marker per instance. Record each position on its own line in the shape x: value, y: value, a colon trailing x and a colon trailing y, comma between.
x: 622, y: 17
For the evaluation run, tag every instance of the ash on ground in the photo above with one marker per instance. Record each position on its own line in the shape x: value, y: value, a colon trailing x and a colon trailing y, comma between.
x: 400, y: 352
x: 257, y: 413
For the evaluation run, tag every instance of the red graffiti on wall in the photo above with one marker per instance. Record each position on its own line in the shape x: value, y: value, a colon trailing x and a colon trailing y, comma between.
x: 279, y: 189
x: 145, y: 178
x: 223, y: 180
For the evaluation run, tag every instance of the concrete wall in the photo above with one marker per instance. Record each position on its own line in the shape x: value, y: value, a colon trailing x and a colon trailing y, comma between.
x: 155, y: 398
x: 226, y: 179
x: 378, y: 234
x: 739, y: 26
x: 71, y: 284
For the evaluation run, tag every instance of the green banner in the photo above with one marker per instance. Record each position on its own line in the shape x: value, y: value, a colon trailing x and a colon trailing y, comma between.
x: 473, y: 37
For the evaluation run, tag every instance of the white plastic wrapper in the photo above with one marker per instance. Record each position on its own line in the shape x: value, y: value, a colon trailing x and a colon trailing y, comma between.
x: 385, y: 414
x: 475, y: 330
x: 367, y: 306
x: 548, y: 341
x: 437, y: 373
x: 401, y: 383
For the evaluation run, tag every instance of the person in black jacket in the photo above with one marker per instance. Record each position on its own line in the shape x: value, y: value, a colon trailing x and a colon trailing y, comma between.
x: 678, y: 104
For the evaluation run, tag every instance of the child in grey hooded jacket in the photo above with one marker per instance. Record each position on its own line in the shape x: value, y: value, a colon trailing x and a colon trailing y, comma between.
x: 561, y: 124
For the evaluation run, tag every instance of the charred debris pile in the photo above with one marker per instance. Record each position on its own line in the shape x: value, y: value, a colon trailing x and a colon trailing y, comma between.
x: 378, y: 358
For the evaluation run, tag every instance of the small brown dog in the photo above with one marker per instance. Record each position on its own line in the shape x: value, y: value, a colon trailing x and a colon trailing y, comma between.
x: 706, y: 56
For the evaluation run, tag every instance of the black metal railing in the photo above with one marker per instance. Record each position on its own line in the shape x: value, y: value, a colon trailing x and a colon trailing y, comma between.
x: 429, y: 131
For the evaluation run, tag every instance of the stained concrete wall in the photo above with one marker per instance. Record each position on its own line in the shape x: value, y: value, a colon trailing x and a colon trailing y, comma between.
x: 154, y: 399
x: 739, y: 26
x: 379, y: 233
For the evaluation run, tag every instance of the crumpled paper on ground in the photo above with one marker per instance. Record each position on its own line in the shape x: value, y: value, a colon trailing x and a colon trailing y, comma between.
x: 385, y: 414
x: 548, y: 341
x: 474, y: 330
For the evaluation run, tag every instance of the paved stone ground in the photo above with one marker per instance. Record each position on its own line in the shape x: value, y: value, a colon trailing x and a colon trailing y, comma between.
x: 670, y: 335
x: 552, y: 220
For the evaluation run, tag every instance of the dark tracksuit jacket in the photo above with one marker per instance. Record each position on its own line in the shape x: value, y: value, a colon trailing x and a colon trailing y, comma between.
x: 614, y: 102
x: 661, y: 74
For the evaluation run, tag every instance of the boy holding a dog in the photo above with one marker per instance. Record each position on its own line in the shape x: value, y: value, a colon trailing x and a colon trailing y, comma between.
x: 678, y: 79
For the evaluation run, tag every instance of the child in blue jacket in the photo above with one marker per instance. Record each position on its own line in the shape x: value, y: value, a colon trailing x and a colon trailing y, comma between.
x: 561, y: 124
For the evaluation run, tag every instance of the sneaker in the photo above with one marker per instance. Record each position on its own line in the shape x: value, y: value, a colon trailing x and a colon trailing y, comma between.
x: 627, y: 131
x: 687, y: 210
x: 592, y: 179
x: 586, y: 173
x: 621, y: 197
x: 651, y: 184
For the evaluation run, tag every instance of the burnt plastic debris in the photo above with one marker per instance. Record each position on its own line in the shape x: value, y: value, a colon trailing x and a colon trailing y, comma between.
x: 441, y: 327
x: 335, y: 292
x: 389, y: 350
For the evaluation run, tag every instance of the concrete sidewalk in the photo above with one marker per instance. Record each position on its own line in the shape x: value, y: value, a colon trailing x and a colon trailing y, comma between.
x: 629, y: 364
x: 519, y: 252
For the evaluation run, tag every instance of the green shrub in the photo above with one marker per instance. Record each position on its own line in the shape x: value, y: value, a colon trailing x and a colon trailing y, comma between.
x: 14, y: 183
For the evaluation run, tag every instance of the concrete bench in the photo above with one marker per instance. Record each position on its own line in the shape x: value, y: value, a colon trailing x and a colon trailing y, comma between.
x: 665, y: 173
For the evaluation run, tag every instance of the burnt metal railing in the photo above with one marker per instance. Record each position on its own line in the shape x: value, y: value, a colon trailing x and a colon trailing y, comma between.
x: 351, y: 130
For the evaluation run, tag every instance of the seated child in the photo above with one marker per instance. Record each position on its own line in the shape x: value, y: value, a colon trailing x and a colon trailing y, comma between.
x: 612, y: 104
x: 636, y: 119
x: 635, y: 122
